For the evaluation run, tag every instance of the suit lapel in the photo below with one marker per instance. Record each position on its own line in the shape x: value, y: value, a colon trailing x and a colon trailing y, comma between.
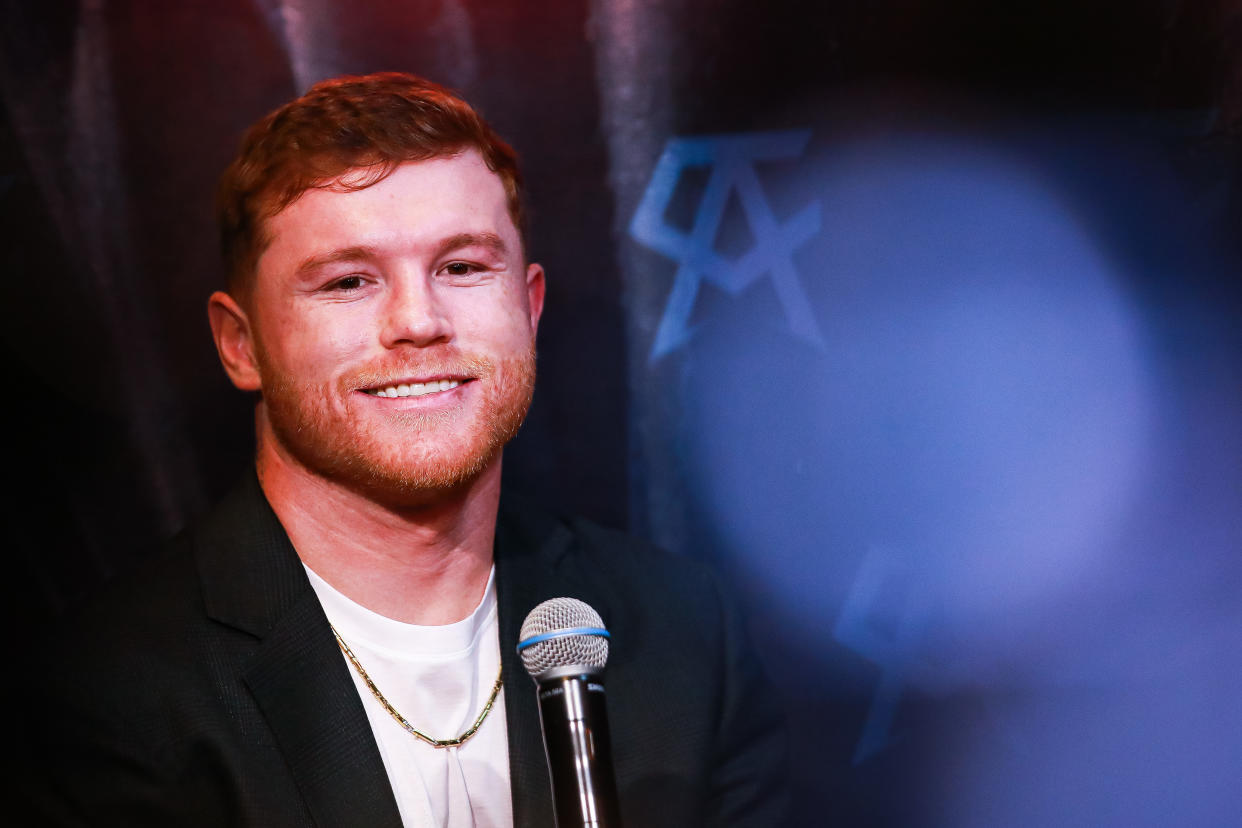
x: 253, y: 580
x: 300, y: 681
x: 532, y: 566
x: 527, y: 552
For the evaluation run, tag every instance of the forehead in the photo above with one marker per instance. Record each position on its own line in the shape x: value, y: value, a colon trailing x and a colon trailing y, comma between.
x: 419, y: 204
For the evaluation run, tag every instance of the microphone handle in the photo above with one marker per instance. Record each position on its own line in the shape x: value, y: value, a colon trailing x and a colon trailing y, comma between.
x: 575, y: 736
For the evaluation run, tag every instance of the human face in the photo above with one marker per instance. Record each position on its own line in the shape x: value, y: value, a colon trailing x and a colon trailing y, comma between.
x: 394, y: 329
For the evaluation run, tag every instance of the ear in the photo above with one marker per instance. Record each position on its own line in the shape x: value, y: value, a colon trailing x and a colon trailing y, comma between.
x: 230, y: 327
x: 534, y: 294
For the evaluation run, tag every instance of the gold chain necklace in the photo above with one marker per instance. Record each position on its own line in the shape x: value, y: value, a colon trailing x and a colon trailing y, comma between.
x: 409, y: 728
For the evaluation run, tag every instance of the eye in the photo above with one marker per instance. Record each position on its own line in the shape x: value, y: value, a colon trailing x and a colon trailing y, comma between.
x: 461, y: 269
x: 345, y: 283
x: 465, y: 273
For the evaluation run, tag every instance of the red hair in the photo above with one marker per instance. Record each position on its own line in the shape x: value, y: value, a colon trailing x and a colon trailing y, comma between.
x: 369, y: 124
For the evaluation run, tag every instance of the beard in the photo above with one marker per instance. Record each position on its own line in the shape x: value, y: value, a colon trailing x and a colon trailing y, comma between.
x: 400, y: 457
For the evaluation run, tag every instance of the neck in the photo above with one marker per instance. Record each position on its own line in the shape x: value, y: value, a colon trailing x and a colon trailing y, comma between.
x: 426, y: 563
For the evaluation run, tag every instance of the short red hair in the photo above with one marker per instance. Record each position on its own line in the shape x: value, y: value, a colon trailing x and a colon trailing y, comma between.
x: 372, y: 123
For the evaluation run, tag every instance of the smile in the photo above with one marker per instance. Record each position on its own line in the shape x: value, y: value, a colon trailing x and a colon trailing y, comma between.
x: 414, y: 389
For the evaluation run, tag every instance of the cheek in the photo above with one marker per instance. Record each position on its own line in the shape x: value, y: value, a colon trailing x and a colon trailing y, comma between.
x: 339, y: 342
x: 504, y: 321
x: 310, y: 348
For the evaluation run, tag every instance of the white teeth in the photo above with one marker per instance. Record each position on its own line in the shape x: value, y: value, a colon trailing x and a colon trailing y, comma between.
x: 415, y: 389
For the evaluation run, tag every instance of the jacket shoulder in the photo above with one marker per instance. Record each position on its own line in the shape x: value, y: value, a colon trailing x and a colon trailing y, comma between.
x: 680, y: 662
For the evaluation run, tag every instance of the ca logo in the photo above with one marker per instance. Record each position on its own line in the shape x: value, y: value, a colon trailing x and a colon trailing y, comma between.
x: 731, y: 160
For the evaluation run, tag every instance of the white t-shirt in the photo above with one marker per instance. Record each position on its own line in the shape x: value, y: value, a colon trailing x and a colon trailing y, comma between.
x: 439, y: 679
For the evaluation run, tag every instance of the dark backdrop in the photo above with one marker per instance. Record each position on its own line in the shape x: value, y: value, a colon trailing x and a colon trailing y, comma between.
x: 920, y: 319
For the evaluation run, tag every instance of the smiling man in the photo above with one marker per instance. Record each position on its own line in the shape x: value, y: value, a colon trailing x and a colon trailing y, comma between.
x: 335, y: 644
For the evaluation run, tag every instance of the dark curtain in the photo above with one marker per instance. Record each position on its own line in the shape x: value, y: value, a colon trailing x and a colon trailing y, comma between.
x: 919, y: 319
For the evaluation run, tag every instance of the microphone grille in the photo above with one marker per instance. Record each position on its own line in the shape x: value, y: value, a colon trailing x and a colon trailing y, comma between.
x: 556, y: 614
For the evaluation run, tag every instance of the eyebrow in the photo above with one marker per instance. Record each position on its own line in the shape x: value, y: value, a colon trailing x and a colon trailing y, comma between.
x: 345, y: 254
x: 492, y: 242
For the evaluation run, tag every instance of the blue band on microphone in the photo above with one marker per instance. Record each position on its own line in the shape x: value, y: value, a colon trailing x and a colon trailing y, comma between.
x: 536, y: 639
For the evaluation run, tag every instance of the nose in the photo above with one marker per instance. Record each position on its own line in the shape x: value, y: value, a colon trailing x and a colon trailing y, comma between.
x: 413, y: 313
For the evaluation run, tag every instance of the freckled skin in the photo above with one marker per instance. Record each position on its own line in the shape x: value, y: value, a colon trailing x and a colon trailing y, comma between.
x: 400, y: 308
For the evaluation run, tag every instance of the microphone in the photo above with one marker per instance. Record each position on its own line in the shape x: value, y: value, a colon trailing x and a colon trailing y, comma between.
x: 564, y: 647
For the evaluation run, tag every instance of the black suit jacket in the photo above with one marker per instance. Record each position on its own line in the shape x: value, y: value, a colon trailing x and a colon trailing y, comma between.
x: 208, y: 688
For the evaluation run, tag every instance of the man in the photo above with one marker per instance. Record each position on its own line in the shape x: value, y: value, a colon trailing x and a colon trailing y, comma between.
x: 295, y: 658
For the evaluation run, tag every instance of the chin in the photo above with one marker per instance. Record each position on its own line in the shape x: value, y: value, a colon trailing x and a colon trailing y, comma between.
x: 413, y: 483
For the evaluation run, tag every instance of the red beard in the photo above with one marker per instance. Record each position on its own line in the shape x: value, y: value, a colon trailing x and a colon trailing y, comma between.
x: 400, y: 457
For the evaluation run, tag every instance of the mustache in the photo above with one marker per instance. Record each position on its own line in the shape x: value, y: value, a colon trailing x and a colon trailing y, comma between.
x: 440, y: 366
